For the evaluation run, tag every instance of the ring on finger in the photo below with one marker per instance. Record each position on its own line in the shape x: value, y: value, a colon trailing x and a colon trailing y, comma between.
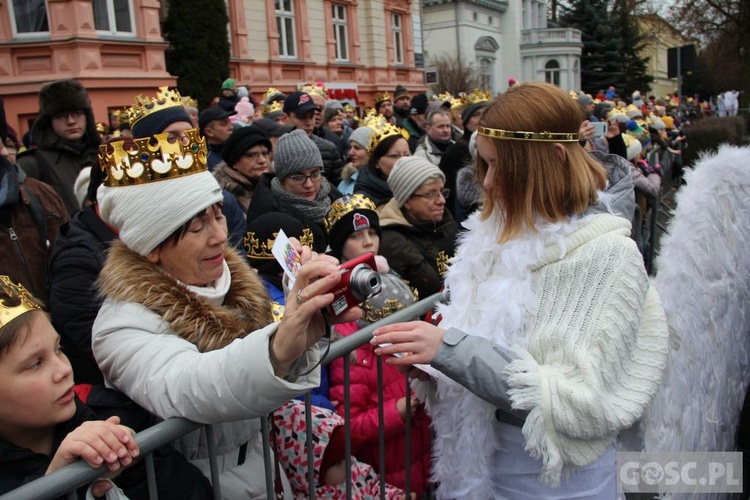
x: 299, y: 298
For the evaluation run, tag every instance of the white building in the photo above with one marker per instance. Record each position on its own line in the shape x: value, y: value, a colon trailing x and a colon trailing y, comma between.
x: 503, y: 39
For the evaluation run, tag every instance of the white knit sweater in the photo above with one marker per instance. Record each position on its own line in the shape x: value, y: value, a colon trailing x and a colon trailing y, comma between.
x: 574, y: 304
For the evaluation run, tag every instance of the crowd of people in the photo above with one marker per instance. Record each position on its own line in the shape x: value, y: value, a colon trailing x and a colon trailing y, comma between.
x: 149, y: 242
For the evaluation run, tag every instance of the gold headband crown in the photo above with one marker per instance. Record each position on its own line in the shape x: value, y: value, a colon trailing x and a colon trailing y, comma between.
x: 257, y: 249
x: 381, y: 98
x: 18, y: 295
x: 382, y: 129
x: 150, y: 163
x: 273, y: 107
x: 315, y: 88
x: 509, y: 135
x: 189, y: 102
x: 445, y: 97
x: 272, y: 91
x: 343, y: 206
x: 348, y: 107
x: 144, y: 106
x: 475, y: 97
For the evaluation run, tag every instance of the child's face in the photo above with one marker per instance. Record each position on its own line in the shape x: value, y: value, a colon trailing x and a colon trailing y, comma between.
x: 361, y: 242
x: 336, y: 473
x: 37, y: 381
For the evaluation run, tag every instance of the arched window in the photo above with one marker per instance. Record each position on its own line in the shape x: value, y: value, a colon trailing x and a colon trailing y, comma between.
x: 552, y: 72
x: 485, y: 73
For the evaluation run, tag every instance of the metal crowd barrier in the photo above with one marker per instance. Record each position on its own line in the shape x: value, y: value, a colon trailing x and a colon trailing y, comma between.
x: 68, y: 479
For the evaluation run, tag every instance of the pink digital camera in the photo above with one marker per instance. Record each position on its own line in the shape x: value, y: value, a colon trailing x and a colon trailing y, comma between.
x: 359, y: 281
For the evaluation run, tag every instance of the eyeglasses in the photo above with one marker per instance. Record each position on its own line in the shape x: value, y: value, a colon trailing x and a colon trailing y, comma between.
x: 302, y: 178
x: 396, y: 156
x: 253, y: 155
x: 64, y: 116
x: 434, y: 194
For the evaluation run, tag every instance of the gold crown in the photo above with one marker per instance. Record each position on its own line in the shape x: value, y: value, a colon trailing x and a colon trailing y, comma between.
x: 445, y: 97
x: 527, y: 136
x: 189, y: 102
x: 381, y: 98
x: 475, y: 97
x: 273, y: 107
x: 257, y: 249
x: 315, y: 88
x: 573, y: 94
x: 272, y: 91
x: 144, y: 106
x: 382, y: 129
x: 24, y: 302
x: 151, y: 163
x: 277, y: 311
x: 102, y: 128
x: 348, y: 107
x: 343, y: 206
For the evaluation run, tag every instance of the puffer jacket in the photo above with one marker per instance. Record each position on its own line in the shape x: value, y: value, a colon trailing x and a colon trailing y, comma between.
x: 332, y: 161
x: 418, y: 251
x: 178, y: 354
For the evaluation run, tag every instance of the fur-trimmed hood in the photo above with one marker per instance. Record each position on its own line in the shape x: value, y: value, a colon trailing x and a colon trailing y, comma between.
x: 247, y: 307
x: 229, y: 179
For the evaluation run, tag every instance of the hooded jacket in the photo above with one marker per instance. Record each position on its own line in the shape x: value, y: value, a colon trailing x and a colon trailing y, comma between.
x: 418, y: 251
x: 179, y: 354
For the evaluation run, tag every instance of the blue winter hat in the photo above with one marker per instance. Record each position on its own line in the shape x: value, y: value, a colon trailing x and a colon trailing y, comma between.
x: 156, y: 122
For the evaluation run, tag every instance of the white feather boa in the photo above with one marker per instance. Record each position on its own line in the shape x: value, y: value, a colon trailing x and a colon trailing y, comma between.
x: 491, y: 296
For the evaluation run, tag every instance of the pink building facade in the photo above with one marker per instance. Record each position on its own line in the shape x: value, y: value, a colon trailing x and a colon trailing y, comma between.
x: 116, y: 49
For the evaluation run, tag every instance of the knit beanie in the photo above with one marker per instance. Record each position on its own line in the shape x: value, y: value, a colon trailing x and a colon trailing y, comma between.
x: 349, y: 214
x: 471, y: 109
x: 244, y: 109
x: 400, y: 92
x: 240, y: 141
x: 329, y: 113
x: 362, y: 136
x: 155, y: 123
x: 61, y: 96
x: 228, y: 84
x: 268, y: 127
x: 295, y: 152
x: 584, y: 99
x: 408, y: 174
x: 146, y: 214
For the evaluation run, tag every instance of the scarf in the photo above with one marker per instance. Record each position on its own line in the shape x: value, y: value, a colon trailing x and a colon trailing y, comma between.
x: 315, y: 209
x: 492, y: 297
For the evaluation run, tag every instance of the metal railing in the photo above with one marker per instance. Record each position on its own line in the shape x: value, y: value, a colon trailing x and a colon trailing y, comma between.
x: 69, y: 478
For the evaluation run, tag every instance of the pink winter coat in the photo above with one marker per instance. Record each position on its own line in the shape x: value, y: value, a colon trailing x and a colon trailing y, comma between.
x: 364, y: 417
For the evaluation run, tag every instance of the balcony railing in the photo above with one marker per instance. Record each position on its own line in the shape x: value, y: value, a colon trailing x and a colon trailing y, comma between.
x: 550, y: 35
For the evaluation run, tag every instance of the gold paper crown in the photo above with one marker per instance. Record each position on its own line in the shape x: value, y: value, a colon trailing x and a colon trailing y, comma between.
x: 381, y: 98
x: 144, y: 106
x: 273, y: 107
x: 277, y: 311
x: 343, y: 206
x: 102, y: 128
x: 189, y: 102
x: 272, y: 91
x: 151, y: 163
x: 18, y: 295
x: 382, y: 129
x: 348, y: 107
x: 475, y: 97
x: 257, y: 249
x: 316, y: 88
x: 445, y: 97
x: 527, y: 136
x: 573, y: 94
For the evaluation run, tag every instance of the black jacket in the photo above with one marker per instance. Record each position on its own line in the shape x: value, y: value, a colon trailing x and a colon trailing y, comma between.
x: 77, y: 258
x: 332, y: 161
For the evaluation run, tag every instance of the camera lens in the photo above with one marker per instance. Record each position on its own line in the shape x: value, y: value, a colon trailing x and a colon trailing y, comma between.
x: 364, y: 282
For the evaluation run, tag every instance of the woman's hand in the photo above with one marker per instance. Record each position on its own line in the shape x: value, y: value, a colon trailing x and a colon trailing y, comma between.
x: 417, y: 340
x: 586, y: 131
x: 98, y: 442
x: 303, y: 324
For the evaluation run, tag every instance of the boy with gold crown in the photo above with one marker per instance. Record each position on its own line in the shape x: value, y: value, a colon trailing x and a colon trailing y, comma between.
x: 43, y: 426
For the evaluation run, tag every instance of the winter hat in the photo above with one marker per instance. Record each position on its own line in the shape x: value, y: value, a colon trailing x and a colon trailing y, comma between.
x: 240, y: 141
x: 61, y: 96
x: 243, y: 92
x: 418, y: 104
x: 268, y: 127
x: 295, y: 152
x: 261, y: 233
x: 400, y: 92
x: 213, y: 113
x: 329, y: 113
x: 155, y: 123
x: 334, y: 104
x: 229, y: 84
x: 511, y: 81
x: 362, y: 136
x: 349, y: 214
x: 471, y: 109
x: 408, y: 174
x: 633, y: 146
x: 244, y: 109
x: 633, y: 111
x: 668, y: 122
x: 638, y: 132
x: 584, y: 99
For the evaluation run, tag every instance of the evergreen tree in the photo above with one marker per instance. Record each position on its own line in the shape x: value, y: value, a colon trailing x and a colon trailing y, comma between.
x: 199, y: 46
x: 600, y: 56
x: 635, y: 74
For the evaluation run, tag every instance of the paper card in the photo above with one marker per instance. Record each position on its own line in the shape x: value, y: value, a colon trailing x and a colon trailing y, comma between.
x: 287, y: 257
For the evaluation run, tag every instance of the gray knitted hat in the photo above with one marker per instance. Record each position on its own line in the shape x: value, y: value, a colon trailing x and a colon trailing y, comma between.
x: 362, y: 136
x: 408, y: 174
x: 294, y: 153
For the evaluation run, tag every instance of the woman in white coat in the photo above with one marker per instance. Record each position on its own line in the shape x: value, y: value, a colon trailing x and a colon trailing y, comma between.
x: 186, y: 327
x: 554, y: 340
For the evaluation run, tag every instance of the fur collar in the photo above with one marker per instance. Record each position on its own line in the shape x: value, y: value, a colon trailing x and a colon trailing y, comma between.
x: 129, y: 277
